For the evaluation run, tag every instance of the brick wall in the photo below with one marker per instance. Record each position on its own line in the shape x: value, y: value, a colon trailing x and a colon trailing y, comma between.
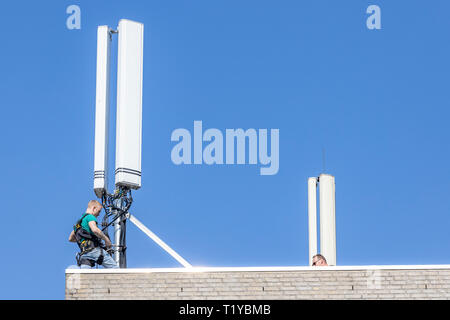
x: 374, y: 282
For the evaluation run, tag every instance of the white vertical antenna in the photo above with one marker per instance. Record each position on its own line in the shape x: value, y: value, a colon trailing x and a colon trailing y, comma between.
x: 312, y: 217
x: 327, y: 218
x: 327, y: 207
x: 129, y: 104
x: 102, y: 111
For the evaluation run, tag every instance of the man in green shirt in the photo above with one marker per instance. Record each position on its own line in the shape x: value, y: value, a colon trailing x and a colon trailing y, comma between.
x: 94, y: 253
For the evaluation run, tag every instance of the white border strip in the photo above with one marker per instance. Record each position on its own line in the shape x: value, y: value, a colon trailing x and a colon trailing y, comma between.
x: 257, y: 269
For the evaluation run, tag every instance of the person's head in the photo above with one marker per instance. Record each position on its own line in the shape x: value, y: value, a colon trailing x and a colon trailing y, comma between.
x: 319, y: 260
x: 94, y: 207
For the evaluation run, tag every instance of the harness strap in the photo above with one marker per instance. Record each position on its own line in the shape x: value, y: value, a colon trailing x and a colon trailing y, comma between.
x: 87, y: 261
x: 90, y: 240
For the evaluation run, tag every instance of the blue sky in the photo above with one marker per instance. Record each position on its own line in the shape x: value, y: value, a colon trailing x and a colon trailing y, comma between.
x: 377, y: 101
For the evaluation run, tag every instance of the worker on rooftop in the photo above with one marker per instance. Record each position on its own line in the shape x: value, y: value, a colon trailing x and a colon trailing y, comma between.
x: 319, y: 260
x: 88, y: 237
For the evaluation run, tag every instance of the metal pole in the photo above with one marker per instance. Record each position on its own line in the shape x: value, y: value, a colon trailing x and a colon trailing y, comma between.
x: 117, y: 234
x: 123, y: 243
x: 120, y: 233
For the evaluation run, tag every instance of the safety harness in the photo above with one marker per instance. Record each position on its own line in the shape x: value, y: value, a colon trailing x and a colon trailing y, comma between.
x: 86, y: 242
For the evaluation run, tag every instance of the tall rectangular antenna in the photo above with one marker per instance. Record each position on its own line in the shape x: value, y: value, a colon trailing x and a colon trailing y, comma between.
x: 327, y: 207
x: 102, y: 111
x: 129, y: 104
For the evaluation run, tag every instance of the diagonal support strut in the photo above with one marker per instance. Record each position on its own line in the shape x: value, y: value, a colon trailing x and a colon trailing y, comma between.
x: 161, y: 243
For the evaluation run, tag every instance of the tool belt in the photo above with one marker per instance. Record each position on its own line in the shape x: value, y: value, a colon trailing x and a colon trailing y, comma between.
x: 87, y: 245
x: 87, y: 261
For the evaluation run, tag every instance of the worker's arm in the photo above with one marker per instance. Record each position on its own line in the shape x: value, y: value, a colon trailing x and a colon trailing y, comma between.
x: 99, y: 233
x: 72, y: 237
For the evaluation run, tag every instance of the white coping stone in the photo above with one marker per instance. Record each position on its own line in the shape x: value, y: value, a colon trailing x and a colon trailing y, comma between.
x: 258, y: 269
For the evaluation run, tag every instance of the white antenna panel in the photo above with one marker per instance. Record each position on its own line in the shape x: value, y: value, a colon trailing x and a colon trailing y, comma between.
x: 129, y: 104
x: 101, y: 110
x: 327, y: 207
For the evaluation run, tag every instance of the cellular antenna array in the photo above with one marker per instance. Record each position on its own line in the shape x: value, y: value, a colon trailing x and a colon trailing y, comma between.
x: 128, y: 133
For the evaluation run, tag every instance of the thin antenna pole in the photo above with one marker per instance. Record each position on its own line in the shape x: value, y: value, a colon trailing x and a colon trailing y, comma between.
x: 323, y: 159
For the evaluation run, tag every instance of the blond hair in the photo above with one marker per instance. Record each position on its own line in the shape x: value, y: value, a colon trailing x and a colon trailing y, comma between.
x: 320, y: 257
x: 94, y: 203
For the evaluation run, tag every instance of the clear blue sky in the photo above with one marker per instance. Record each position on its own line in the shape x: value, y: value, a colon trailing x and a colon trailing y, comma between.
x: 376, y: 100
